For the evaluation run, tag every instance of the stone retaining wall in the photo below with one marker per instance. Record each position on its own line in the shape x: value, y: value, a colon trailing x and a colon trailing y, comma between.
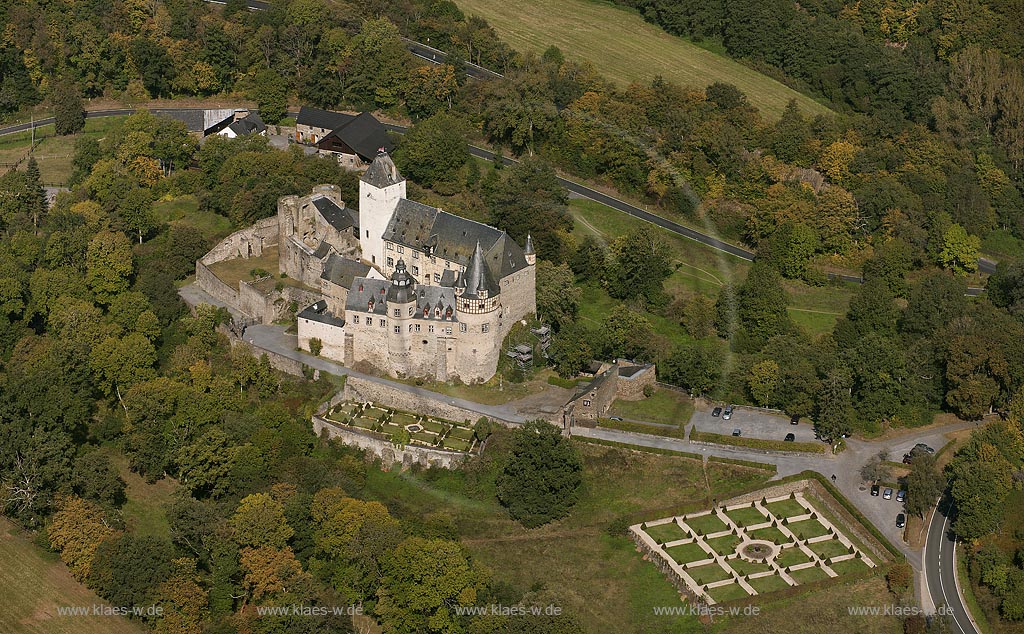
x: 212, y: 284
x: 359, y: 389
x: 389, y: 453
x: 277, y: 361
x: 245, y: 243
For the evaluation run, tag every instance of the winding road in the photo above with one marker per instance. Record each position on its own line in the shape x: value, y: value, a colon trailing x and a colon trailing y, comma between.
x: 940, y: 569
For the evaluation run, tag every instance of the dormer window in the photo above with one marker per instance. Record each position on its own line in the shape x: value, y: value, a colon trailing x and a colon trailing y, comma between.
x: 425, y: 310
x: 369, y: 306
x: 381, y: 291
x: 360, y: 288
x: 448, y: 313
x: 482, y: 293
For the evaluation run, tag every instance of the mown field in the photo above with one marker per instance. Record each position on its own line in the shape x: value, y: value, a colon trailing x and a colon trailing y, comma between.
x: 52, y: 152
x: 35, y: 583
x: 624, y: 48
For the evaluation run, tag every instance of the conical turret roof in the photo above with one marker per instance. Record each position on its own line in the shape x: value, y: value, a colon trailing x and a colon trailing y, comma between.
x: 477, y: 277
x: 529, y: 245
x: 403, y: 286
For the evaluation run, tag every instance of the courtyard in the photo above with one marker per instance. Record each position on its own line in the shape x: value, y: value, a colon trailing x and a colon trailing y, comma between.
x: 398, y: 425
x: 736, y: 551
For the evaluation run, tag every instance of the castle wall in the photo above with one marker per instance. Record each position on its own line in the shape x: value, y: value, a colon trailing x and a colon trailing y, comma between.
x: 631, y: 388
x: 214, y: 286
x: 332, y: 338
x: 422, y: 401
x: 518, y: 297
x: 245, y: 243
x: 389, y: 453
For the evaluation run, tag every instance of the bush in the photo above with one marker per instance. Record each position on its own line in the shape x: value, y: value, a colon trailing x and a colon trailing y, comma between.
x: 648, y: 391
x: 899, y: 578
x: 618, y: 527
x: 315, y: 346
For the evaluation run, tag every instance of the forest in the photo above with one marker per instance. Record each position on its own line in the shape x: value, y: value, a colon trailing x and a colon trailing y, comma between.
x: 916, y: 175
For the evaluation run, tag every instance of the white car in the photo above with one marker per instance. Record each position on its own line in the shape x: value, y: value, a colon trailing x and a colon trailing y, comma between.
x: 727, y: 414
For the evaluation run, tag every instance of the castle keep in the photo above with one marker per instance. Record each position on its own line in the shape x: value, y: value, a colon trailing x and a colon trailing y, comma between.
x: 401, y: 288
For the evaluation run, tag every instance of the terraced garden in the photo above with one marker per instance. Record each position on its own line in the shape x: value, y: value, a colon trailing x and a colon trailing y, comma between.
x: 738, y: 550
x: 401, y: 426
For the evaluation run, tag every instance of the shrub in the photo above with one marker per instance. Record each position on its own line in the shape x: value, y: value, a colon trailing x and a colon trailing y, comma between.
x: 648, y: 391
x: 899, y: 578
x: 315, y: 346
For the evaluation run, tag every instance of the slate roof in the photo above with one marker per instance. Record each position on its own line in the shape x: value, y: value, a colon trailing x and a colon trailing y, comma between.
x: 248, y: 124
x: 435, y: 297
x: 323, y: 250
x: 342, y: 271
x: 425, y: 228
x: 340, y: 218
x: 317, y: 118
x: 318, y: 312
x: 365, y: 289
x: 478, y: 277
x: 382, y: 172
x: 364, y: 134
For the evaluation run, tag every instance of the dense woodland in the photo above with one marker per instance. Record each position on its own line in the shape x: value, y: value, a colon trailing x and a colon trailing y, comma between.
x: 916, y: 174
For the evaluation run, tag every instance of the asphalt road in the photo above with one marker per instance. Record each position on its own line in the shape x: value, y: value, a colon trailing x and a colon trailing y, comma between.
x: 940, y: 569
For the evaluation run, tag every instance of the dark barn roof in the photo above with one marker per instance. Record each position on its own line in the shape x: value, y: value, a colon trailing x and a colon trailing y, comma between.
x: 364, y: 135
x: 317, y: 118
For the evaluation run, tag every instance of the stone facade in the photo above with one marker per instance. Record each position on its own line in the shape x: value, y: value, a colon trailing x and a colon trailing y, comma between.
x: 622, y: 379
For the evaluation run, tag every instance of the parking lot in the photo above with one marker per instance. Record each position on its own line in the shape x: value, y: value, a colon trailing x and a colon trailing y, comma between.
x: 752, y: 423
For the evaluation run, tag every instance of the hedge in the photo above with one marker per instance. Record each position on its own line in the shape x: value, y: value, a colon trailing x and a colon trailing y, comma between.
x: 757, y: 443
x: 641, y: 428
x: 569, y: 384
x: 622, y: 445
x: 764, y: 466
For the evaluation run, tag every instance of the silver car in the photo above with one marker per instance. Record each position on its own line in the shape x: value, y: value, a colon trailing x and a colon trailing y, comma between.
x: 887, y: 494
x: 727, y: 414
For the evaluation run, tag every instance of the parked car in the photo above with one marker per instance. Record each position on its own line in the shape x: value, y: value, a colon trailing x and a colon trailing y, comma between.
x: 737, y: 432
x: 901, y: 520
x: 727, y: 414
x: 923, y: 447
x: 901, y: 495
x: 790, y: 437
x: 907, y: 458
x: 716, y: 412
x: 887, y: 494
x: 874, y: 490
x: 615, y: 418
x: 794, y: 420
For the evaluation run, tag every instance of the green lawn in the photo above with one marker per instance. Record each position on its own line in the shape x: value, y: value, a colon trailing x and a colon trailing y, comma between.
x: 53, y: 153
x: 625, y: 48
x: 808, y: 575
x: 786, y: 508
x: 708, y: 573
x: 664, y: 533
x: 706, y: 524
x: 145, y: 512
x: 849, y: 566
x: 816, y: 308
x: 771, y: 534
x: 744, y: 567
x: 830, y: 548
x: 746, y: 516
x: 791, y: 557
x: 35, y: 583
x: 685, y: 553
x: 772, y: 583
x: 701, y: 268
x: 664, y: 406
x: 724, y: 545
x: 731, y: 592
x: 807, y: 528
x: 184, y: 210
x: 596, y: 304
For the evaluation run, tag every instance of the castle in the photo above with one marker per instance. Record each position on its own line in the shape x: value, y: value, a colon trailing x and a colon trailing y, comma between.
x: 403, y: 288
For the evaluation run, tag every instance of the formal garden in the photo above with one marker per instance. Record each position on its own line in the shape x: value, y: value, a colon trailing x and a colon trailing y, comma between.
x: 404, y: 427
x: 735, y: 551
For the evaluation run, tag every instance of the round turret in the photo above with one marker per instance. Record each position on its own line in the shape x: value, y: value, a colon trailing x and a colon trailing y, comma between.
x: 403, y: 286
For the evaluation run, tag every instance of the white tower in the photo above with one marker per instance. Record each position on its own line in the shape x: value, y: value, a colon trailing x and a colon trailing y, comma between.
x: 380, y: 189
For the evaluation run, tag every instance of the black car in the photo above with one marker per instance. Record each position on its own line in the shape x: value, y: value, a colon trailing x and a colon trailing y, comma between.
x: 901, y: 520
x: 923, y: 447
x: 790, y: 437
x: 736, y: 432
x: 794, y: 420
x: 907, y: 458
x: 716, y: 412
x: 875, y: 489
